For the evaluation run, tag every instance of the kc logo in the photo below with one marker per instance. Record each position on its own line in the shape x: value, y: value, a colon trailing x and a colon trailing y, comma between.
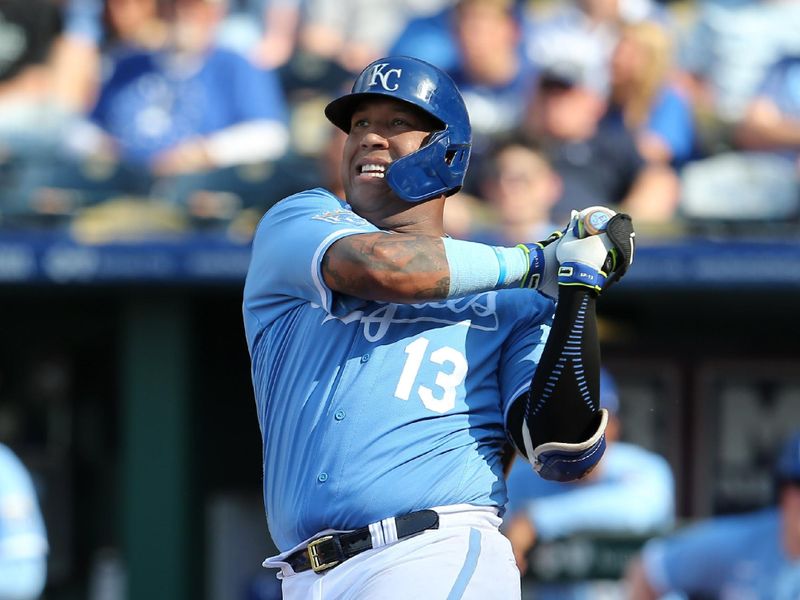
x: 380, y: 75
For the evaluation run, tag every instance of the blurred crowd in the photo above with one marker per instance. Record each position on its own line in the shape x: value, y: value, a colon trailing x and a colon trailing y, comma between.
x: 124, y: 118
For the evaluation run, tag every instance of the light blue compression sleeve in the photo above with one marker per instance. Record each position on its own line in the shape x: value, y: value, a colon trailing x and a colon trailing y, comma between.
x: 478, y: 267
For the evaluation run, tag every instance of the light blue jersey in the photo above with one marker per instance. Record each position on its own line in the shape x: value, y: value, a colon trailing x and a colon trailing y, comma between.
x: 729, y: 558
x: 23, y: 538
x: 369, y: 409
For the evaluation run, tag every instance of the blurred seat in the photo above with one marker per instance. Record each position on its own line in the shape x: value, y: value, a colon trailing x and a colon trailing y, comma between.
x: 740, y: 186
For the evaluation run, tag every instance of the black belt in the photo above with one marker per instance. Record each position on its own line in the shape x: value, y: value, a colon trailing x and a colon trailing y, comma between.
x: 327, y: 551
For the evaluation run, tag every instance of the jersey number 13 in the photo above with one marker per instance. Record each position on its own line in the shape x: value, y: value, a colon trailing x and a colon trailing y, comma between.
x: 448, y: 378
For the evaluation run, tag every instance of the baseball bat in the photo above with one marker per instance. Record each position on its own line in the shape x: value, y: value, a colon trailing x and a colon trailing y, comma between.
x: 593, y: 220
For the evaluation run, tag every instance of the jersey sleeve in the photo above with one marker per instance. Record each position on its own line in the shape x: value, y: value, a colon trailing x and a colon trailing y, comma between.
x: 522, y: 350
x: 285, y: 265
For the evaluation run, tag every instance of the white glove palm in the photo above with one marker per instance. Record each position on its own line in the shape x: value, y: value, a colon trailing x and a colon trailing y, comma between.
x: 583, y: 257
x: 595, y: 242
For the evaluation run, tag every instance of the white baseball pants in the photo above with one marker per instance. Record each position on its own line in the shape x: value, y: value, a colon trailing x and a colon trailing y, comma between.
x: 467, y: 558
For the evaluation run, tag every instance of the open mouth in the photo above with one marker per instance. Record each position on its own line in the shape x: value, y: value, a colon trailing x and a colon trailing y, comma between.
x: 372, y: 170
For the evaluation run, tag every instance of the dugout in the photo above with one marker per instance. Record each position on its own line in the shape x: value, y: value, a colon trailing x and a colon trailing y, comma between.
x: 124, y: 385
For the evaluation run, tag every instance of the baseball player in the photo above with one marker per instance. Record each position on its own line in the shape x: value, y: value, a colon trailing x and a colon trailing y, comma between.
x: 392, y: 364
x: 23, y: 537
x: 754, y: 555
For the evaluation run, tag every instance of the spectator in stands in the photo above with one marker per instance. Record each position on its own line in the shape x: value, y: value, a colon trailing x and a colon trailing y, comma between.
x: 518, y: 190
x: 759, y: 179
x: 597, y: 165
x: 23, y: 539
x: 355, y: 32
x: 30, y: 116
x: 630, y: 493
x: 644, y: 100
x: 429, y: 38
x: 132, y: 25
x: 44, y: 88
x: 263, y: 30
x: 93, y: 29
x: 480, y: 43
x: 725, y: 55
x: 494, y: 77
x: 585, y: 30
x: 76, y: 54
x: 772, y: 118
x: 751, y: 555
x: 190, y: 113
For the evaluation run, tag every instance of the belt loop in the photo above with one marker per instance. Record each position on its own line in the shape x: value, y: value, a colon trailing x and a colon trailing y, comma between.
x: 389, y: 527
x: 376, y: 533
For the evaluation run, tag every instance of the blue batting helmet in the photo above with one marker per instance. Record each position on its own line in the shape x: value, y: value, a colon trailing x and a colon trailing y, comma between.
x: 788, y: 465
x: 440, y: 165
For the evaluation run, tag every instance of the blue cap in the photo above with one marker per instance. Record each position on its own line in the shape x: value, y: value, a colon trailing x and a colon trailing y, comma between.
x: 788, y: 466
x: 609, y: 396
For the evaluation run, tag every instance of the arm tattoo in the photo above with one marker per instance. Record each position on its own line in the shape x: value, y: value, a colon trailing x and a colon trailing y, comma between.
x: 407, y: 267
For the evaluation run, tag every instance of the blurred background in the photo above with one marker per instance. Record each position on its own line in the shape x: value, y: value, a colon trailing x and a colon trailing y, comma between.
x: 141, y: 141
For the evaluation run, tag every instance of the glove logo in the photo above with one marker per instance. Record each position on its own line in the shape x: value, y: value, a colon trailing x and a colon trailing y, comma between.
x: 378, y: 75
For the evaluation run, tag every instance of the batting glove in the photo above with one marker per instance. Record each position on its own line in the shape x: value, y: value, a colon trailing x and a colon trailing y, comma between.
x: 542, y: 271
x: 595, y: 252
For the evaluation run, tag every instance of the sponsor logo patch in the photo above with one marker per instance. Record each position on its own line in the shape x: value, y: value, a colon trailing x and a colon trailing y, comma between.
x: 341, y: 215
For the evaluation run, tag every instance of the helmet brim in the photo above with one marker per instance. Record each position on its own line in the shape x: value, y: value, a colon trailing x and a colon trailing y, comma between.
x: 340, y: 111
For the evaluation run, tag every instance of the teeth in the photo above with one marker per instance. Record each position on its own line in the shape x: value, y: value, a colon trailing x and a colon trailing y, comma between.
x: 373, y: 170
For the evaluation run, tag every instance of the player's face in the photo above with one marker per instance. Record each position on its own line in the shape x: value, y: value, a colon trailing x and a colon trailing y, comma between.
x: 381, y: 131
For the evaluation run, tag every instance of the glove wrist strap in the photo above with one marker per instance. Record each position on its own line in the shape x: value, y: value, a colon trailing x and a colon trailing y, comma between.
x: 575, y: 273
x: 536, y: 265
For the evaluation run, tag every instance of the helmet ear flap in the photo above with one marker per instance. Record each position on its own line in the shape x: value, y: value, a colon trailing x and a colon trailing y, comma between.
x: 436, y: 169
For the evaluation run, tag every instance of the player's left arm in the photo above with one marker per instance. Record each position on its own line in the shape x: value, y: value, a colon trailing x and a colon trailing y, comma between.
x: 557, y: 424
x: 388, y: 267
